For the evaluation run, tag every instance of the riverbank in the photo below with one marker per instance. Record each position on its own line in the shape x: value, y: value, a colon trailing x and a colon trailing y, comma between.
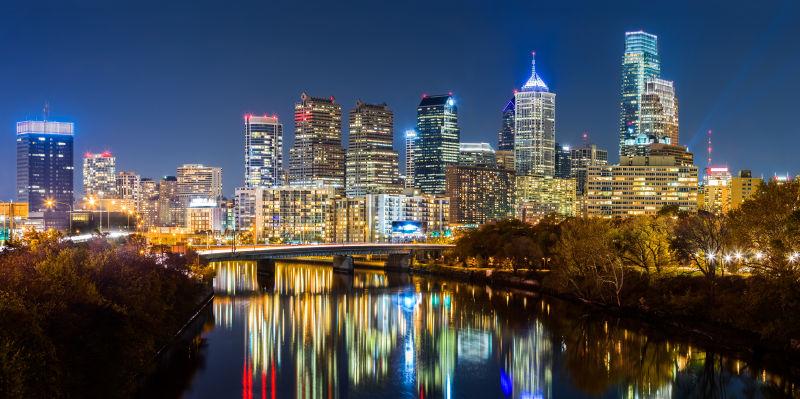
x: 719, y: 336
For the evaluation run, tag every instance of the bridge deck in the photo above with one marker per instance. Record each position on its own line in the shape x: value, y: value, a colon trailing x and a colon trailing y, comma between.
x: 294, y: 251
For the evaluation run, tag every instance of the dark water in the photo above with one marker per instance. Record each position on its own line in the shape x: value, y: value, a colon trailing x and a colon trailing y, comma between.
x: 307, y: 332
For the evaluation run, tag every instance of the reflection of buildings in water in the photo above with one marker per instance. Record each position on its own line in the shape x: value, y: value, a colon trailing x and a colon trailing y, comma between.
x: 528, y: 371
x: 235, y: 277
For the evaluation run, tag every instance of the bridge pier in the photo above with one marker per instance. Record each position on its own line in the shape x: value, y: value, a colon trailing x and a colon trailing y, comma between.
x: 343, y: 264
x: 399, y: 262
x: 265, y: 266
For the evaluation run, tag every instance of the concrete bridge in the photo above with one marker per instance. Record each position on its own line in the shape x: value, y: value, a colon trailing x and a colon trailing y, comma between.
x: 399, y: 256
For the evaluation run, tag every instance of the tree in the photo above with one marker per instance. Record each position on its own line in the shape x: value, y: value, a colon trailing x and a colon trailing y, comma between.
x: 700, y: 241
x: 644, y: 242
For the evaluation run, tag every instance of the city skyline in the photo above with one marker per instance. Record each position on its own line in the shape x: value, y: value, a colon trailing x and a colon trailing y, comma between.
x: 706, y: 100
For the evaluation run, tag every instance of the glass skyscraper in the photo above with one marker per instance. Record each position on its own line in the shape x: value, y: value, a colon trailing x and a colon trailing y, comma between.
x: 372, y: 163
x: 263, y: 151
x: 534, y: 127
x: 505, y: 138
x: 44, y: 164
x: 640, y: 62
x: 317, y: 157
x: 437, y: 144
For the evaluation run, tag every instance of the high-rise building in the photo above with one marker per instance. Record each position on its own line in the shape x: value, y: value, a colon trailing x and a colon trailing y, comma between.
x: 505, y: 139
x: 199, y: 181
x: 743, y: 186
x: 286, y: 213
x: 505, y: 159
x: 437, y: 142
x: 129, y: 186
x: 476, y: 154
x: 479, y: 194
x: 563, y: 160
x: 263, y: 151
x: 640, y: 186
x: 659, y: 110
x: 681, y: 153
x: 716, y: 190
x: 372, y: 163
x: 582, y: 158
x: 99, y: 175
x: 411, y: 140
x: 640, y: 63
x: 44, y: 164
x: 170, y: 207
x: 317, y: 157
x: 147, y: 207
x: 534, y: 127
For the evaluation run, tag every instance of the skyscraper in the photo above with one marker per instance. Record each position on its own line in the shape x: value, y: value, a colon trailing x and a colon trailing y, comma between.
x: 99, y: 175
x: 44, y: 164
x: 534, y: 127
x: 582, y: 158
x: 479, y: 194
x: 372, y: 163
x: 196, y: 181
x: 476, y: 154
x: 129, y: 185
x: 263, y: 151
x: 505, y: 139
x: 563, y: 160
x: 659, y: 110
x: 411, y: 140
x: 639, y: 63
x: 317, y: 156
x: 437, y: 142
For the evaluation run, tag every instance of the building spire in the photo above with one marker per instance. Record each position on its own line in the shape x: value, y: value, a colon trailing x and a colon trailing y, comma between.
x: 533, y: 63
x: 534, y: 83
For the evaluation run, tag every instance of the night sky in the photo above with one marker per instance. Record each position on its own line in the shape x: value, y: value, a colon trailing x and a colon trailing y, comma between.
x: 165, y: 84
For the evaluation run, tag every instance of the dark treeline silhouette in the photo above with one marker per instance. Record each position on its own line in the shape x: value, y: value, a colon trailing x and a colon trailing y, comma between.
x: 86, y: 320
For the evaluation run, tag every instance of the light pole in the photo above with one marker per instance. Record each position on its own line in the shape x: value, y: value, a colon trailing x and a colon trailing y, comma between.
x: 51, y: 203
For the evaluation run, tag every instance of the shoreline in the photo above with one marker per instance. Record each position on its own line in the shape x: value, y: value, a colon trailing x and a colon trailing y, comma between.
x: 745, y: 344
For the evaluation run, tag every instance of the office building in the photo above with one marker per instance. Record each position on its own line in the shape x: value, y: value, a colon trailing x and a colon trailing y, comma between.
x: 199, y: 181
x: 505, y: 159
x: 505, y: 138
x: 476, y: 154
x: 582, y: 158
x: 147, y: 206
x: 659, y: 110
x: 640, y: 62
x: 170, y: 207
x: 317, y: 157
x: 640, y: 186
x: 263, y: 151
x: 410, y: 140
x: 438, y: 138
x: 534, y: 127
x: 99, y: 175
x: 539, y: 196
x: 204, y: 216
x: 563, y: 161
x: 372, y: 163
x: 129, y: 185
x: 479, y: 193
x: 743, y: 187
x: 45, y: 165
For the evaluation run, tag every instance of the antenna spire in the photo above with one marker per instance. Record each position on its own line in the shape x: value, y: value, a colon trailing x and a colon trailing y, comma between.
x: 46, y: 110
x: 708, y: 150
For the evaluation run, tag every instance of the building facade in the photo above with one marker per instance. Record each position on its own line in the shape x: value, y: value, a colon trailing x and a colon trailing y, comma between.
x: 641, y: 186
x: 534, y: 127
x: 582, y: 158
x: 411, y: 142
x: 129, y: 185
x: 505, y: 138
x: 147, y: 206
x: 716, y: 190
x: 317, y: 157
x: 263, y: 151
x: 563, y: 160
x: 372, y: 163
x: 45, y: 164
x: 640, y: 62
x: 100, y: 175
x: 199, y: 181
x: 539, y: 196
x: 743, y: 187
x: 289, y: 214
x: 476, y: 154
x: 479, y: 194
x: 438, y: 137
x: 659, y: 110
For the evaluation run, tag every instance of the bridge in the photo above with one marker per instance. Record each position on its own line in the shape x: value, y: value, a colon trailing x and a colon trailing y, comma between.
x: 399, y: 256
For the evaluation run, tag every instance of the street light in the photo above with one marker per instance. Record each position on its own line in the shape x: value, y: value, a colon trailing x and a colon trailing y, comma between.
x: 50, y: 203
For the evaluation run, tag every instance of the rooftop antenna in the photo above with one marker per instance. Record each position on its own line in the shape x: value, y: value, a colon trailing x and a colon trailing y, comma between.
x: 708, y: 150
x: 46, y: 110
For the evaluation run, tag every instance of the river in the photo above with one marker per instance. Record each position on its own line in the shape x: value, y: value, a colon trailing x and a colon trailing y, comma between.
x: 306, y: 332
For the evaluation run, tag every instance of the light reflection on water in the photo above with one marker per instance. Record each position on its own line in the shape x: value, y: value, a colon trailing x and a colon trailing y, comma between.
x: 307, y: 332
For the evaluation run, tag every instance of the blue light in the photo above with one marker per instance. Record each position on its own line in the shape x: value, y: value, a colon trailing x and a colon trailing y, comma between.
x: 505, y: 383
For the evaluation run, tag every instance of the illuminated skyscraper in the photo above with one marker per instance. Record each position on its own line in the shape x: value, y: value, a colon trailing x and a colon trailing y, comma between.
x: 44, y: 164
x: 534, y: 127
x: 411, y: 140
x: 100, y: 175
x: 129, y: 185
x: 317, y: 157
x: 659, y: 110
x: 199, y: 181
x: 372, y: 163
x: 640, y: 62
x: 563, y: 160
x: 505, y: 139
x: 263, y: 151
x: 476, y: 154
x: 582, y: 158
x: 437, y: 142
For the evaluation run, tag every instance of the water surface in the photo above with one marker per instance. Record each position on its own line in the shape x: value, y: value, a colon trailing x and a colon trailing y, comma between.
x: 306, y: 332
